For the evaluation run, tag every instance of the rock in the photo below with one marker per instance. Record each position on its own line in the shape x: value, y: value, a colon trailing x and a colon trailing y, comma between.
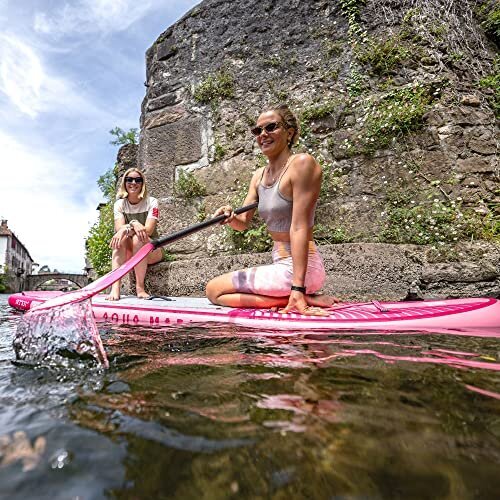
x: 475, y: 164
x: 470, y: 100
x: 459, y: 272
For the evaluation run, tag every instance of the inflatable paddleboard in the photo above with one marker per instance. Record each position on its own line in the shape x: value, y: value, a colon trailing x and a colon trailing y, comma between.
x: 453, y: 314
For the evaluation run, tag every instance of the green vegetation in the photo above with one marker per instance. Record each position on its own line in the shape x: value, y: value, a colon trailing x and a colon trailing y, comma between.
x: 319, y: 111
x: 100, y: 234
x: 219, y: 151
x: 351, y: 9
x: 399, y: 112
x: 333, y: 48
x: 489, y: 13
x: 326, y: 235
x: 122, y: 137
x: 355, y: 83
x: 384, y: 55
x: 492, y: 82
x: 332, y: 181
x: 434, y: 221
x: 3, y: 279
x: 255, y: 238
x: 214, y: 88
x: 188, y: 186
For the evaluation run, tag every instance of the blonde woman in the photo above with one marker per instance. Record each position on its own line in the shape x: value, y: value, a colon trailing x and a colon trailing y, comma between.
x: 136, y: 216
x: 287, y: 190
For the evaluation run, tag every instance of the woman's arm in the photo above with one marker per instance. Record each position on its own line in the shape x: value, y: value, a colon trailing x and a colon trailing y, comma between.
x: 306, y: 184
x: 122, y: 230
x: 241, y: 222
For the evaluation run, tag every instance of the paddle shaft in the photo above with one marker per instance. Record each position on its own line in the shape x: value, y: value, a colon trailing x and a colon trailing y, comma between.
x: 113, y: 276
x: 170, y: 238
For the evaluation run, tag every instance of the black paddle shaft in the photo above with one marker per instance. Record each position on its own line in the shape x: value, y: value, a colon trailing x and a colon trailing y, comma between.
x: 197, y: 227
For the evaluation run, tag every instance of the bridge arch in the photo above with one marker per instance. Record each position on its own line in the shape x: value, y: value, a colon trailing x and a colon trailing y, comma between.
x: 35, y: 281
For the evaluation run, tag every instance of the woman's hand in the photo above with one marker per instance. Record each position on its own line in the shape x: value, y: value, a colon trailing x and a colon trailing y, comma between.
x: 140, y: 231
x: 227, y: 211
x: 297, y: 303
x: 118, y: 237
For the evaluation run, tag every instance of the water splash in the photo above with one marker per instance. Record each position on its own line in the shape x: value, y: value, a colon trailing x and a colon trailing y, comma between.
x: 51, y: 336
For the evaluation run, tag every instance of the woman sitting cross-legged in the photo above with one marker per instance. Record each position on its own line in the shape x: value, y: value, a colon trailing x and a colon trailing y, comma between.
x: 136, y: 217
x: 287, y: 191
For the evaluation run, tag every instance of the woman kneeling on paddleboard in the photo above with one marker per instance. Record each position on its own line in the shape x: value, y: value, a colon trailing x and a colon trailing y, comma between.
x: 287, y: 191
x: 136, y: 216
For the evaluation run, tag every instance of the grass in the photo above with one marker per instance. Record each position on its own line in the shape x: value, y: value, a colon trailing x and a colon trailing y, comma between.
x: 188, y: 187
x: 214, y: 88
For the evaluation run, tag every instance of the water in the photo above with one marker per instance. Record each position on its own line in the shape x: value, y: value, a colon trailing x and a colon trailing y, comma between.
x: 224, y: 412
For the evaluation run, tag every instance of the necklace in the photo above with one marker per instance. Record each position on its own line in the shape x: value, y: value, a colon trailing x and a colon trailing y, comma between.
x: 277, y: 174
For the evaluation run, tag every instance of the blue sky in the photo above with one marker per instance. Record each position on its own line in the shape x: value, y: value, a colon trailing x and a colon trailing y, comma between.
x: 69, y: 72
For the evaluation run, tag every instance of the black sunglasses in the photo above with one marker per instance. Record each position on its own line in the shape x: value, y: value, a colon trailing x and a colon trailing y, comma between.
x: 137, y: 180
x: 270, y: 127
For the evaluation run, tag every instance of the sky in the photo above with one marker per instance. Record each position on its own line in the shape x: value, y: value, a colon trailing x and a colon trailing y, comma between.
x: 70, y: 71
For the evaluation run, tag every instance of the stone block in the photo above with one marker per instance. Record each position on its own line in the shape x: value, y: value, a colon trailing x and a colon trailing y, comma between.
x: 165, y: 116
x: 471, y: 100
x: 459, y: 272
x: 163, y: 101
x: 166, y: 49
x: 475, y: 164
x: 187, y: 140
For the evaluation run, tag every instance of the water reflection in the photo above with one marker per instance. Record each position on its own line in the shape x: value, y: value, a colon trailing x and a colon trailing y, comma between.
x: 219, y: 411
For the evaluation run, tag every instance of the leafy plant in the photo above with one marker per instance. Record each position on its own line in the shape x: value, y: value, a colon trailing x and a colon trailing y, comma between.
x: 399, y: 112
x: 489, y: 13
x: 100, y: 234
x: 219, y: 151
x: 324, y: 234
x: 188, y: 186
x: 215, y: 87
x: 3, y: 279
x: 384, y: 55
x: 433, y: 221
x: 492, y: 82
x: 319, y: 111
x: 122, y: 137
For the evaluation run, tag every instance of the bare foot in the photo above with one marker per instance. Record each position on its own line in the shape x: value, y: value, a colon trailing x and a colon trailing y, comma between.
x: 143, y: 295
x: 322, y: 300
x: 113, y: 296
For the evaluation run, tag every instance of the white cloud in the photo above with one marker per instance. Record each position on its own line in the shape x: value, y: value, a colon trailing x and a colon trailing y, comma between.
x: 33, y: 90
x: 91, y: 16
x: 21, y: 75
x: 40, y: 199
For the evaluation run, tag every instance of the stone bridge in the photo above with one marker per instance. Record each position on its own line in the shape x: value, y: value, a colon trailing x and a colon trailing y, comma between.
x: 35, y: 281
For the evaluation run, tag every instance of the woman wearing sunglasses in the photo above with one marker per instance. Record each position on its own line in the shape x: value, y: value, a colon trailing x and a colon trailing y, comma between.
x: 287, y: 191
x: 136, y: 217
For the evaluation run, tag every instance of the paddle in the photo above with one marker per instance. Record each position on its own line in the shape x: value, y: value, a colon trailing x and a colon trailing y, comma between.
x: 108, y: 279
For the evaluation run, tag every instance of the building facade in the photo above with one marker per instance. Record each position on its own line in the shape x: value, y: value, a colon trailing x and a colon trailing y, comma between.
x: 15, y: 261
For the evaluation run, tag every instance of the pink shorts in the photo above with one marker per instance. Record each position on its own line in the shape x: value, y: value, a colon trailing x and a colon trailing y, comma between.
x: 275, y: 280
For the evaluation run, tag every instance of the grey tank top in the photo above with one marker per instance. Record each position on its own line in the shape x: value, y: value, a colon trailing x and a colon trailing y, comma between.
x: 274, y: 208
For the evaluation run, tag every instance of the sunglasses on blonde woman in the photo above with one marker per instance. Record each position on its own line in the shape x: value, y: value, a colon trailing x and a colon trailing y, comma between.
x: 137, y: 180
x: 269, y: 127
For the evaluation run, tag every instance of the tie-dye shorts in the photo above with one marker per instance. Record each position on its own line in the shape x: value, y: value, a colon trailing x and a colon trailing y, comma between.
x: 275, y: 280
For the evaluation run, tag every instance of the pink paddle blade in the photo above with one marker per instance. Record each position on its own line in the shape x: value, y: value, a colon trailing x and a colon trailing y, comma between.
x: 98, y: 285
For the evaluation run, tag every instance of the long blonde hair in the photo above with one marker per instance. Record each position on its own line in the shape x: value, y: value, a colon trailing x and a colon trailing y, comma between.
x: 122, y: 190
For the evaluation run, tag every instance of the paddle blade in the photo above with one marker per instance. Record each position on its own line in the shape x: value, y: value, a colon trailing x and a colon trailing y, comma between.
x: 98, y: 285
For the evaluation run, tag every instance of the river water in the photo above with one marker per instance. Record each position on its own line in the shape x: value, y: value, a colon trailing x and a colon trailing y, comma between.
x: 226, y: 412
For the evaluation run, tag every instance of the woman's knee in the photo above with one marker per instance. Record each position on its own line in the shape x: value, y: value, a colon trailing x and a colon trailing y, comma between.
x: 212, y: 291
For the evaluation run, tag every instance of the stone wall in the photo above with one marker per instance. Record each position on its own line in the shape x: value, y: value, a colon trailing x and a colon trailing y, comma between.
x: 271, y: 54
x: 356, y: 271
x: 338, y: 70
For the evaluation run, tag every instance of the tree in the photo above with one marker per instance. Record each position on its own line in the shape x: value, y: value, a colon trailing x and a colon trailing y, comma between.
x: 122, y: 137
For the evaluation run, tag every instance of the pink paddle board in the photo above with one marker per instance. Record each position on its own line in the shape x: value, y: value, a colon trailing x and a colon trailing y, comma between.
x: 481, y: 314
